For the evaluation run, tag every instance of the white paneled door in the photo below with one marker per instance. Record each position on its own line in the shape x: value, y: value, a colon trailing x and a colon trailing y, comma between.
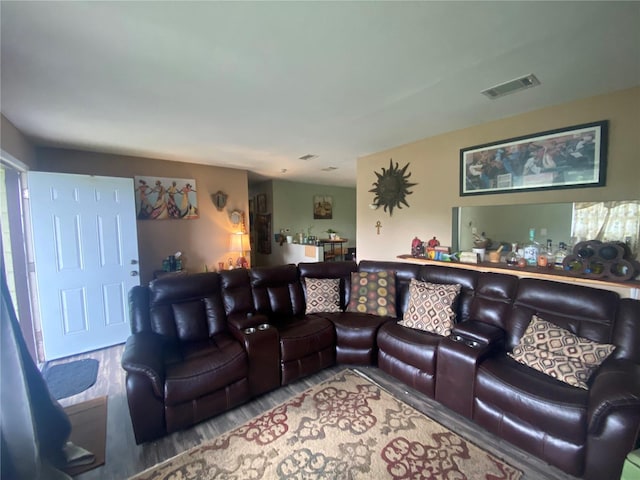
x: 86, y: 259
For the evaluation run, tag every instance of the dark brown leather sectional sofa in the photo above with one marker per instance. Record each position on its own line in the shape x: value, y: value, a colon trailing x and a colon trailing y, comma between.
x: 204, y: 343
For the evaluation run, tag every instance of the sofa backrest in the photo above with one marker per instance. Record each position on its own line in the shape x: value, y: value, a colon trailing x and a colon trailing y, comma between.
x: 186, y: 307
x: 493, y: 297
x: 277, y: 291
x: 237, y: 296
x: 626, y: 334
x: 340, y: 270
x: 585, y: 311
x: 467, y: 279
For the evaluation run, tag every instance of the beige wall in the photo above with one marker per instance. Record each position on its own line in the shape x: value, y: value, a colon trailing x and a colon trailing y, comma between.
x: 16, y: 144
x: 434, y: 165
x: 202, y: 241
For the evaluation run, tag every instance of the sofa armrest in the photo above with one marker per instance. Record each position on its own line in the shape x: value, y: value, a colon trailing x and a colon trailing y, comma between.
x: 143, y: 354
x: 616, y: 387
x: 240, y: 321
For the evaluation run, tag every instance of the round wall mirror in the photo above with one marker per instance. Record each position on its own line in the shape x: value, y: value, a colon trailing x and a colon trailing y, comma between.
x: 236, y: 217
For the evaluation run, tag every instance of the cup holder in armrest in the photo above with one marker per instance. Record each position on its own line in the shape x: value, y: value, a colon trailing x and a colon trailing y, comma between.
x: 249, y: 331
x: 264, y: 326
x: 467, y: 341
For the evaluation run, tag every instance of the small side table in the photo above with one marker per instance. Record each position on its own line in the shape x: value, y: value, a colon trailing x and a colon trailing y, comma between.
x: 330, y: 251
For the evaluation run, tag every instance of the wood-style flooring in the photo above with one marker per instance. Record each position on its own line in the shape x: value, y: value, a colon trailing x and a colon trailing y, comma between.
x: 124, y: 458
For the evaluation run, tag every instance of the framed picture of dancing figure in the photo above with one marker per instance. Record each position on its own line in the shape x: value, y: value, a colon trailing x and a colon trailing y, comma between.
x: 571, y: 157
x: 159, y: 198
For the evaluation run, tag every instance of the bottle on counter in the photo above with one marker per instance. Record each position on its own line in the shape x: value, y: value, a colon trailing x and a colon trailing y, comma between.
x: 532, y: 249
x: 559, y: 256
x: 546, y: 258
x: 512, y: 257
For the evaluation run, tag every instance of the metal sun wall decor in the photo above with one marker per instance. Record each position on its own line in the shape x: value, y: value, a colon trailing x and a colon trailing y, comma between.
x: 165, y: 198
x: 392, y: 187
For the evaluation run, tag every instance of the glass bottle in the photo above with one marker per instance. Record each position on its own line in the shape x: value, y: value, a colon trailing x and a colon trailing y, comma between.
x: 546, y: 257
x: 532, y: 249
x: 512, y: 257
x: 560, y: 255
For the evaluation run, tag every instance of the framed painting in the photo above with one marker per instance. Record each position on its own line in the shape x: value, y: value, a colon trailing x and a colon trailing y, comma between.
x: 322, y: 207
x: 572, y: 157
x: 159, y: 198
x: 263, y: 233
x: 261, y: 202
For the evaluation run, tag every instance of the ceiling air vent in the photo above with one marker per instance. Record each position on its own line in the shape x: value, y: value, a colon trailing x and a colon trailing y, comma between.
x: 308, y: 156
x: 511, y: 86
x: 328, y: 169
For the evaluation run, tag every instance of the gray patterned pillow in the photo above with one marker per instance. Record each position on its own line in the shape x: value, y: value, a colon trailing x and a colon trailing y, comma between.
x: 559, y: 353
x: 431, y: 307
x: 323, y: 295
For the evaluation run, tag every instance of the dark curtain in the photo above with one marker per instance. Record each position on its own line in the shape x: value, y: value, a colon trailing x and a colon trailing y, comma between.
x: 33, y: 425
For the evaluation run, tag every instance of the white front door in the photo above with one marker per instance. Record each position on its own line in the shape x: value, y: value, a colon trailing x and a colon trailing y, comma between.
x: 86, y: 259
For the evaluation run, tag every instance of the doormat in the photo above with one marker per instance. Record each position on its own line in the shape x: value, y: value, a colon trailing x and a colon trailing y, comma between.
x: 346, y: 427
x: 89, y: 431
x: 66, y: 379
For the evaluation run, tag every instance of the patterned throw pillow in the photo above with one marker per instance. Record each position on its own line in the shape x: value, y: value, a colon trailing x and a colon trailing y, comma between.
x: 559, y: 353
x: 373, y: 292
x: 431, y: 307
x: 323, y: 295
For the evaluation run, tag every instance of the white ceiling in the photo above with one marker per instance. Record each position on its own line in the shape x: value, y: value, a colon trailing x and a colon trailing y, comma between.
x: 257, y: 85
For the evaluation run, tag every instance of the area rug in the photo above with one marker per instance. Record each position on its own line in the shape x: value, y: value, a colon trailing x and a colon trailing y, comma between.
x: 344, y: 428
x: 89, y: 431
x: 71, y: 378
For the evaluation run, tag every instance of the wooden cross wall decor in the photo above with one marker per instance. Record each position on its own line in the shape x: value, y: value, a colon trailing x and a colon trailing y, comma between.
x: 378, y: 227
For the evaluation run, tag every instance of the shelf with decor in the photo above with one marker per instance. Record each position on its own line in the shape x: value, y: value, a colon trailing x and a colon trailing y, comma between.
x: 629, y: 288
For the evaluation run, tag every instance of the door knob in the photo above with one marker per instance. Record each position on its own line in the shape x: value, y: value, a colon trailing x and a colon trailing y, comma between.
x: 134, y: 273
x: 134, y: 262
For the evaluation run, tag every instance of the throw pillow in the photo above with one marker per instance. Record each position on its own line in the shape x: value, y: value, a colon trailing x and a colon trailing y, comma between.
x: 559, y: 353
x: 373, y: 292
x: 431, y: 307
x: 323, y: 295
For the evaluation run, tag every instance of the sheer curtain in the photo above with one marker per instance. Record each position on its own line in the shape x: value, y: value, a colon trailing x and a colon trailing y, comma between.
x: 608, y: 222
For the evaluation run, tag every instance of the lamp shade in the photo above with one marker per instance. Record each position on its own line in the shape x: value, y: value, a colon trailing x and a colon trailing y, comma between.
x: 246, y: 244
x: 236, y: 242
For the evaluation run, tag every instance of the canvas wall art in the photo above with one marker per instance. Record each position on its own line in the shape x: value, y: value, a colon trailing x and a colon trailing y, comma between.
x: 572, y: 157
x: 322, y: 207
x: 159, y: 198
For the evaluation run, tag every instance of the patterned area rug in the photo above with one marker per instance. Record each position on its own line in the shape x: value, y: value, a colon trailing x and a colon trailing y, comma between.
x: 344, y: 428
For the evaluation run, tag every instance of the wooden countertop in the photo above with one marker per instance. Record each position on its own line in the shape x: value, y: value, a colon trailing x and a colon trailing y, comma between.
x: 531, y: 272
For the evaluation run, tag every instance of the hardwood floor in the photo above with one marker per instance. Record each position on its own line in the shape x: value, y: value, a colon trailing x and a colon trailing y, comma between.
x: 124, y: 458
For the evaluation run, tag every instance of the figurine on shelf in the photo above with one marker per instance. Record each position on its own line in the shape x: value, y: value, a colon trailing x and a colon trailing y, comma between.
x: 433, y: 243
x: 417, y: 248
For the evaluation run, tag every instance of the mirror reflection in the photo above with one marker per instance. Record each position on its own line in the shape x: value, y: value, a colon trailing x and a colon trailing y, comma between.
x: 612, y: 221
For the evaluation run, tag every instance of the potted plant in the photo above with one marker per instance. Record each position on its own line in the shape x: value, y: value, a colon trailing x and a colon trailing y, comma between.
x: 332, y: 233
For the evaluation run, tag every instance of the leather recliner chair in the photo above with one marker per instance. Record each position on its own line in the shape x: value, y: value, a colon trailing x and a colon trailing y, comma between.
x: 183, y: 364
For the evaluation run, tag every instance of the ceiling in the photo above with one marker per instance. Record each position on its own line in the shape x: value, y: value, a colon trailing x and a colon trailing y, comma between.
x: 255, y: 86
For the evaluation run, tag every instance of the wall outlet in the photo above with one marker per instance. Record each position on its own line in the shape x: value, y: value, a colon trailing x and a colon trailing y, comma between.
x: 543, y: 232
x: 474, y: 230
